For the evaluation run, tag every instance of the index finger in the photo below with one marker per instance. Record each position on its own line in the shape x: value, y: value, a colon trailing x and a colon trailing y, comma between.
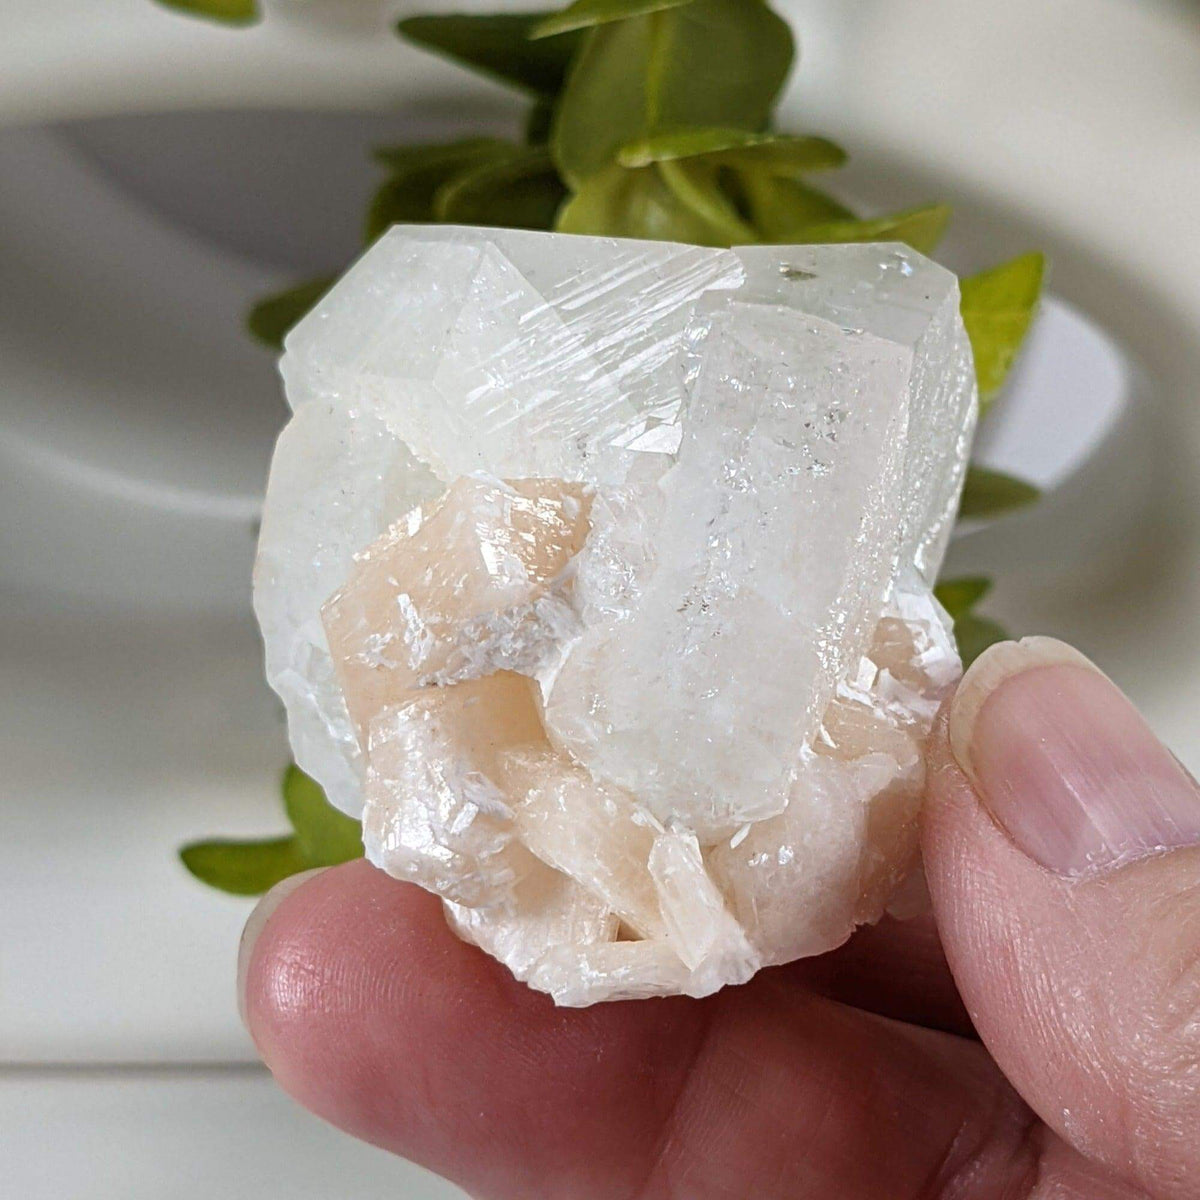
x: 374, y: 1015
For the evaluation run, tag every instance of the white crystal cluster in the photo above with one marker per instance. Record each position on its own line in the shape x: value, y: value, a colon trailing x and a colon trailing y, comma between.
x: 596, y: 575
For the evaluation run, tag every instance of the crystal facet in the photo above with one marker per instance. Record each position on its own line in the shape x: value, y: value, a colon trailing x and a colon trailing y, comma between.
x: 456, y: 593
x: 597, y: 575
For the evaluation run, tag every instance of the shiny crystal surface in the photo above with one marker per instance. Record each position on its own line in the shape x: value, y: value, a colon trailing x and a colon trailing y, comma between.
x: 761, y: 599
x: 596, y: 574
x: 457, y: 592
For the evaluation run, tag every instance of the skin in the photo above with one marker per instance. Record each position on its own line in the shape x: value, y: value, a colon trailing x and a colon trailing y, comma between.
x: 1038, y: 1037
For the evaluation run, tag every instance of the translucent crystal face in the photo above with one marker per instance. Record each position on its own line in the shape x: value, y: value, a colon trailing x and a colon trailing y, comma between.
x: 761, y: 597
x: 597, y: 575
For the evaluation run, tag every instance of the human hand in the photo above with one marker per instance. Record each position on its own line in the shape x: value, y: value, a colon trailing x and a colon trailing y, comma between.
x: 1062, y: 847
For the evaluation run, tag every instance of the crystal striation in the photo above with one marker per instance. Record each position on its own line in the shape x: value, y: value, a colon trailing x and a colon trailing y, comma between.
x: 596, y: 575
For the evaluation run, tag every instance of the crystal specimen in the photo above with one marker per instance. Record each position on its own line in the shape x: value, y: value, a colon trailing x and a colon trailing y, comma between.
x: 597, y: 575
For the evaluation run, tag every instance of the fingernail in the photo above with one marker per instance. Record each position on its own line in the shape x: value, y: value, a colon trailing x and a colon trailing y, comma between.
x: 1065, y: 763
x: 257, y: 922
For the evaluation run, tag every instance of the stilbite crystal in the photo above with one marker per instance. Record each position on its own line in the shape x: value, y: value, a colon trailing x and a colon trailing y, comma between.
x: 551, y: 916
x: 435, y: 813
x: 456, y: 593
x: 587, y: 830
x: 601, y: 571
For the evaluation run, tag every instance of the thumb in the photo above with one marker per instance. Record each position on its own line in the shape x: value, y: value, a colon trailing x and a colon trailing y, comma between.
x: 1062, y: 843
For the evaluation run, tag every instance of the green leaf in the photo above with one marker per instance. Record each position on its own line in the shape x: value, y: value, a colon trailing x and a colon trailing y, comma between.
x: 989, y: 493
x: 434, y: 158
x: 271, y: 318
x: 231, y: 12
x: 585, y: 13
x: 696, y: 187
x: 775, y: 154
x: 522, y: 191
x: 782, y: 209
x: 959, y: 596
x: 974, y: 634
x: 636, y: 204
x: 498, y: 46
x: 921, y: 228
x: 997, y: 309
x: 244, y: 868
x: 418, y: 173
x: 711, y: 62
x: 397, y: 200
x: 325, y: 836
x: 539, y: 122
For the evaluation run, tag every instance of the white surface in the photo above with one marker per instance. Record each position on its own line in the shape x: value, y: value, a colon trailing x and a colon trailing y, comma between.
x: 1069, y: 125
x: 125, y: 735
x: 1076, y: 420
x: 68, y: 58
x: 1068, y: 393
x: 150, y: 1135
x: 192, y: 407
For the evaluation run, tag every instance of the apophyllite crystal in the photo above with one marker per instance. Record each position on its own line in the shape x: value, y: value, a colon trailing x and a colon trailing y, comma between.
x: 596, y: 575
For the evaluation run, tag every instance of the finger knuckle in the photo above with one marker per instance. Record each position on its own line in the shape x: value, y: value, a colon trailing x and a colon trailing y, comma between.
x: 1172, y: 959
